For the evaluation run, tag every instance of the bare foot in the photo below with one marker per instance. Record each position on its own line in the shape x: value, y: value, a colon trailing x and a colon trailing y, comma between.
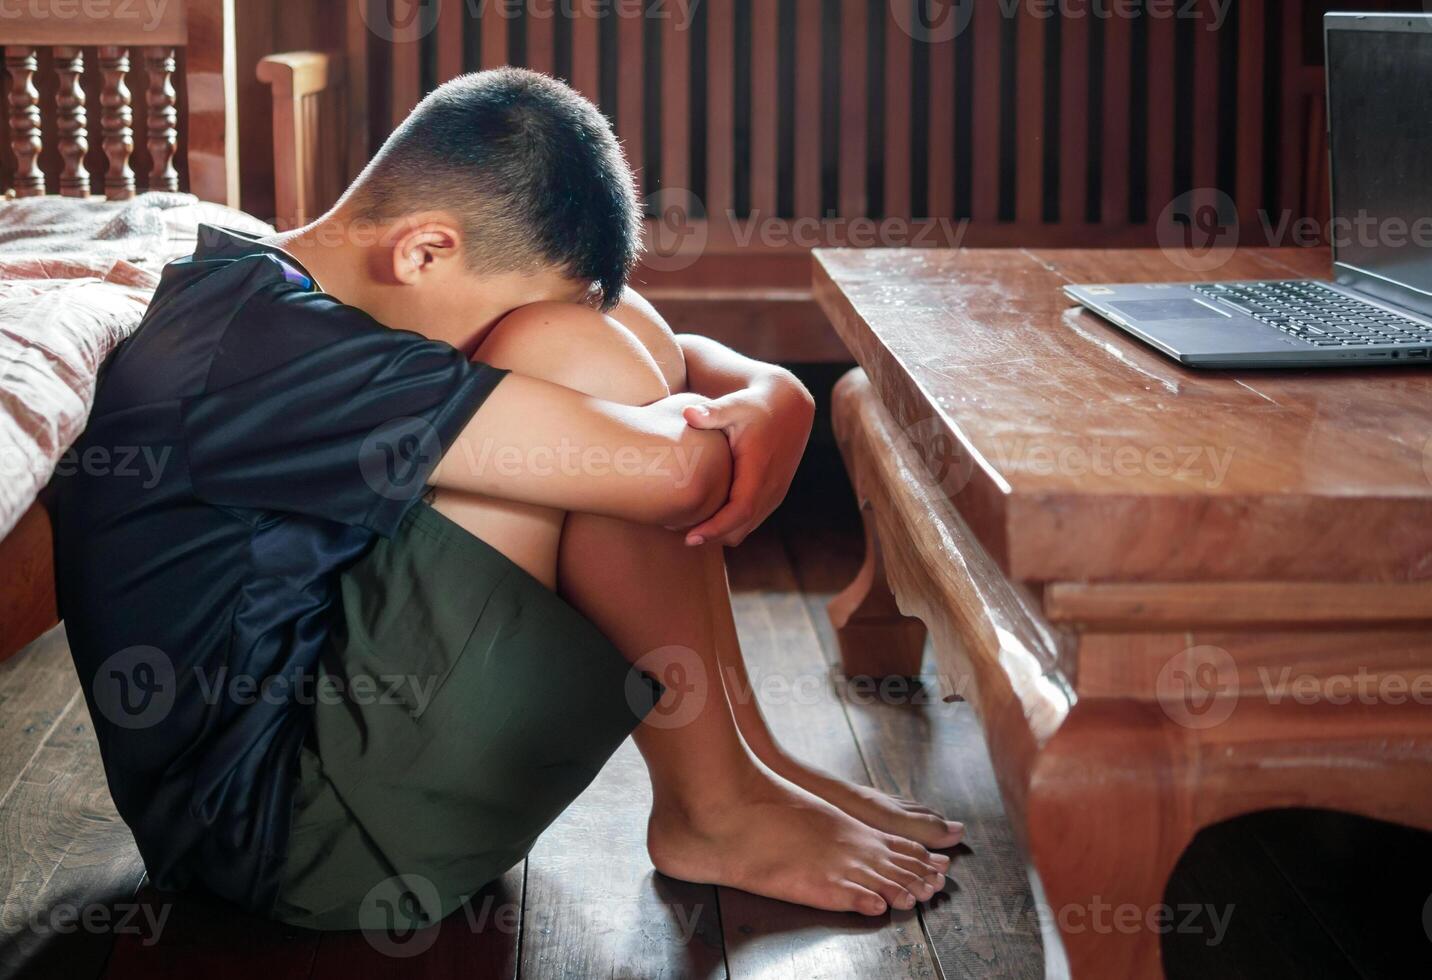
x: 892, y: 814
x: 779, y: 841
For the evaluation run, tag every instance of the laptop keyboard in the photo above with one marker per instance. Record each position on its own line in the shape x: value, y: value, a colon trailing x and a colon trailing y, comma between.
x: 1313, y: 312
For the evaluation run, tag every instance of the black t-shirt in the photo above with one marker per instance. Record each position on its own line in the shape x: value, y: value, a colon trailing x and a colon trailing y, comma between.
x: 248, y: 441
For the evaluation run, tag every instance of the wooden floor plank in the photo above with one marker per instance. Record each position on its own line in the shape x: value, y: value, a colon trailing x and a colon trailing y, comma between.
x: 67, y: 856
x: 790, y: 677
x: 36, y: 685
x: 986, y: 924
x: 595, y: 907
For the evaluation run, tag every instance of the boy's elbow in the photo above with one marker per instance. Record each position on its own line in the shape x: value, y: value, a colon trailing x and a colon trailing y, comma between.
x: 702, y: 478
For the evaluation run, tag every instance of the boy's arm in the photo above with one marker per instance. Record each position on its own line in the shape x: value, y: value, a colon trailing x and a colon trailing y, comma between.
x: 766, y: 415
x: 540, y: 443
x: 764, y: 410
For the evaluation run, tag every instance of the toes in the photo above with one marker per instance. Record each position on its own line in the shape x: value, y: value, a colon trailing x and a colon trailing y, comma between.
x: 860, y: 899
x: 894, y: 893
x: 919, y: 883
x: 920, y: 810
x: 929, y: 829
x: 927, y: 872
x: 943, y: 833
x: 933, y: 860
x: 936, y: 831
x: 912, y: 849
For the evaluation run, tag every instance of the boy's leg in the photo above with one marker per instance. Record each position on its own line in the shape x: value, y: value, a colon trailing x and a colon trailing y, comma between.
x: 903, y: 817
x: 906, y: 818
x: 720, y: 816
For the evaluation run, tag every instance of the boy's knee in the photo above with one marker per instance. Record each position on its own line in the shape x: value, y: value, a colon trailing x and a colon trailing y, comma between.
x: 578, y: 348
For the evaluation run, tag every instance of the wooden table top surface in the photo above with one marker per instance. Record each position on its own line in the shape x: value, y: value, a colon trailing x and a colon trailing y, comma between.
x: 1077, y: 453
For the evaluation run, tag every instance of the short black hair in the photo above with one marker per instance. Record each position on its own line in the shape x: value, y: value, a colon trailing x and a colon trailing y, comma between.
x: 530, y: 169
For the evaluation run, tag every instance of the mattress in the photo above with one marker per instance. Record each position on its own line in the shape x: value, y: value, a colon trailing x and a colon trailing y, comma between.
x: 76, y: 276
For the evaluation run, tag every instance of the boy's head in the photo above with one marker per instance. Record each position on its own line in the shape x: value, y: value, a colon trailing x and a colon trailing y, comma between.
x: 498, y: 179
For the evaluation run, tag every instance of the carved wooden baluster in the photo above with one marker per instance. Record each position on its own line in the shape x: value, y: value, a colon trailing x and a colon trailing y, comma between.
x: 163, y: 119
x: 25, y: 121
x: 117, y: 118
x: 72, y: 123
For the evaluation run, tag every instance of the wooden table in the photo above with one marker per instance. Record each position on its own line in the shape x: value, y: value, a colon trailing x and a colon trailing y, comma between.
x: 1173, y: 596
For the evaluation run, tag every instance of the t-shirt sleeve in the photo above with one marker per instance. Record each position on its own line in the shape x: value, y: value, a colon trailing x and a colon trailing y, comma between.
x: 348, y: 429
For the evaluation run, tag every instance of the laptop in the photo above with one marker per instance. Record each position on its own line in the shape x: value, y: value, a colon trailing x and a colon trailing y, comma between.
x: 1378, y: 309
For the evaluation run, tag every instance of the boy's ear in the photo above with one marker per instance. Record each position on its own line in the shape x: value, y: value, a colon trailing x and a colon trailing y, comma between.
x: 422, y: 247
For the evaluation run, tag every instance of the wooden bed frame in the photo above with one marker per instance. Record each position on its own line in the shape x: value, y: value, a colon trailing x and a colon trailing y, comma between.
x: 191, y: 45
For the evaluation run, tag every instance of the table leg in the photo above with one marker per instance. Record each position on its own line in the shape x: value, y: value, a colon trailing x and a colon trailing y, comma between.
x: 875, y: 639
x: 1106, y: 825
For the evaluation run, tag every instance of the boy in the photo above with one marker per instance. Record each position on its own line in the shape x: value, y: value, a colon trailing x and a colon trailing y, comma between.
x: 402, y: 586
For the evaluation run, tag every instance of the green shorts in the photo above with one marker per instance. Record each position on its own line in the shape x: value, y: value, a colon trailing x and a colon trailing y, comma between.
x: 461, y: 707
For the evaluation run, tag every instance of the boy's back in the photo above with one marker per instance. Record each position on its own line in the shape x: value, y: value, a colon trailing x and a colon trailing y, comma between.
x: 251, y: 438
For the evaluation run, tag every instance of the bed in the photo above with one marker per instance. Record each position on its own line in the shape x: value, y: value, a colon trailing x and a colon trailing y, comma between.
x: 93, y: 211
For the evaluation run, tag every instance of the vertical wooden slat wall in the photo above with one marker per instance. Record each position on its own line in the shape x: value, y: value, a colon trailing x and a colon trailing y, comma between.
x: 940, y: 169
x: 896, y: 113
x: 1162, y: 64
x: 853, y: 117
x: 737, y: 107
x: 1029, y: 116
x: 1074, y: 122
x: 1205, y: 100
x: 985, y: 163
x: 1251, y: 85
x: 1117, y: 141
x: 720, y: 80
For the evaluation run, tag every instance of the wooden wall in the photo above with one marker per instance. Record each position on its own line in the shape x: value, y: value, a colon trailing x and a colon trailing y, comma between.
x: 1072, y: 128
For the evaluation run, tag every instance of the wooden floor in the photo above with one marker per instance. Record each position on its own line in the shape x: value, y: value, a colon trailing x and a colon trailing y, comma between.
x: 1306, y: 895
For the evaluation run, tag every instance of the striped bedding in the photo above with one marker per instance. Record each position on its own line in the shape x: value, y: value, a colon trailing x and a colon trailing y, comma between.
x: 75, y: 278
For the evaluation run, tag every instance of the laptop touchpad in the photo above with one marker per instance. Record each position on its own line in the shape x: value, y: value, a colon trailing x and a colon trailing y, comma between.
x: 1168, y: 309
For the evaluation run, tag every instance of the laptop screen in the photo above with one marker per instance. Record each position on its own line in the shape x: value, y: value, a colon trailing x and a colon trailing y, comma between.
x: 1380, y: 107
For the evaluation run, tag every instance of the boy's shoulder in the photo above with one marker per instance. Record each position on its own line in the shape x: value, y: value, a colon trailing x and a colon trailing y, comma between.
x: 234, y: 308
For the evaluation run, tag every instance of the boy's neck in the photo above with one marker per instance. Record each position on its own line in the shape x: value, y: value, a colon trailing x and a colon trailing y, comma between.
x: 324, y: 249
